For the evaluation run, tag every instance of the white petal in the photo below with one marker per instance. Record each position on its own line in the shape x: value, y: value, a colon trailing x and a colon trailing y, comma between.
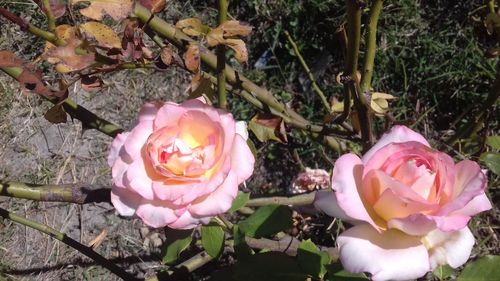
x: 452, y: 248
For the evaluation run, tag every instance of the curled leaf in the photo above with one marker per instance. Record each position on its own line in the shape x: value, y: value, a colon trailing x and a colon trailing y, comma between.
x: 192, y: 27
x: 379, y: 103
x: 192, y: 58
x: 9, y: 59
x: 117, y: 9
x: 56, y: 114
x: 268, y: 127
x: 91, y: 83
x: 233, y: 28
x: 155, y: 6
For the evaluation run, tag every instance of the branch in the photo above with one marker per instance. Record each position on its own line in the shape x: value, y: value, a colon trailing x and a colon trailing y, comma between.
x: 298, y: 200
x: 72, y: 193
x: 51, y: 21
x: 315, y: 86
x: 70, y: 242
x: 221, y: 59
x: 371, y: 46
x: 289, y: 245
x: 88, y: 119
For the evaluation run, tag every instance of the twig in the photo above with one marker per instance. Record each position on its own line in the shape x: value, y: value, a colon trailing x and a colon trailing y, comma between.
x: 371, y: 46
x: 72, y: 193
x: 315, y: 86
x: 221, y: 59
x: 298, y: 200
x: 289, y: 245
x: 70, y: 242
x: 51, y: 21
x: 189, y: 265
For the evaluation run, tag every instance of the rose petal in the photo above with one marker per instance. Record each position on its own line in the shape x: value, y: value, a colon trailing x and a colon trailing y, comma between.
x: 137, y: 179
x: 168, y: 115
x: 118, y: 171
x: 416, y: 224
x: 187, y: 221
x: 397, y: 134
x: 242, y: 159
x: 326, y: 201
x: 346, y: 182
x: 156, y: 213
x: 449, y: 248
x: 125, y: 201
x: 136, y: 140
x: 478, y: 204
x: 390, y: 255
x: 116, y: 145
x: 218, y: 201
x: 149, y: 110
x: 242, y: 130
x: 470, y: 182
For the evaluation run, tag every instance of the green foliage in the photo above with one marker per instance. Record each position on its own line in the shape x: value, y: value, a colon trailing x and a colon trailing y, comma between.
x: 311, y: 259
x: 212, y: 239
x: 269, y: 266
x: 493, y: 141
x: 492, y: 160
x: 444, y: 271
x: 177, y: 241
x: 486, y: 268
x: 240, y: 201
x: 337, y: 273
x: 267, y: 220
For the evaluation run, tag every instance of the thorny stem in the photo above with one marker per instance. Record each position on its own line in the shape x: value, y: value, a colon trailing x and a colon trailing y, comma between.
x: 73, y: 193
x: 315, y: 86
x: 88, y: 119
x: 371, y: 46
x: 88, y: 251
x: 351, y: 68
x: 298, y: 200
x: 225, y: 223
x: 221, y: 59
x: 51, y: 21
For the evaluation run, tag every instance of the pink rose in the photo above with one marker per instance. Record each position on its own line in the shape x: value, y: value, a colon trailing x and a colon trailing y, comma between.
x: 409, y: 205
x: 181, y: 164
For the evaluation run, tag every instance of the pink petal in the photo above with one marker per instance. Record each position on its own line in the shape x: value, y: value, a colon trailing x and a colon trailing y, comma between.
x: 397, y: 134
x: 137, y: 179
x: 346, y: 182
x: 125, y: 201
x: 416, y: 224
x: 149, y: 110
x: 242, y: 130
x: 390, y: 255
x: 136, y: 140
x: 449, y: 248
x: 156, y: 213
x: 116, y: 145
x: 470, y: 182
x: 218, y: 201
x: 478, y: 204
x: 326, y: 201
x: 242, y: 159
x: 168, y: 115
x: 187, y: 221
x: 118, y: 172
x: 171, y: 191
x: 451, y: 222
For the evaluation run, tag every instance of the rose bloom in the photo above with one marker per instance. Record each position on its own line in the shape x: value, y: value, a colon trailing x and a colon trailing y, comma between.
x: 181, y: 164
x: 409, y: 205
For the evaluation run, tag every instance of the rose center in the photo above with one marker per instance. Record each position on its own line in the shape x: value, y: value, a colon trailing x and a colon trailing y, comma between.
x: 416, y: 175
x: 180, y: 158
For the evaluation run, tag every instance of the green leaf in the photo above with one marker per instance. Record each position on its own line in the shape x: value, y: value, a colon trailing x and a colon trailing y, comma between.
x: 337, y: 273
x: 241, y: 248
x: 269, y: 266
x: 268, y: 127
x: 177, y: 241
x: 267, y: 220
x: 240, y: 201
x: 212, y: 239
x: 492, y: 161
x: 486, y: 268
x: 443, y: 272
x: 493, y: 141
x: 311, y: 259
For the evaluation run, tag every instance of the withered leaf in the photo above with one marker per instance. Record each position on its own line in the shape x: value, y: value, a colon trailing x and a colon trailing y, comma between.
x: 32, y: 81
x: 201, y: 86
x: 98, y: 239
x: 101, y: 33
x: 166, y: 55
x: 9, y: 59
x: 233, y: 28
x: 155, y: 6
x: 91, y: 83
x: 379, y: 103
x: 57, y: 7
x: 226, y: 34
x: 192, y: 27
x: 192, y: 58
x: 268, y: 127
x: 117, y: 9
x: 56, y: 114
x: 239, y: 47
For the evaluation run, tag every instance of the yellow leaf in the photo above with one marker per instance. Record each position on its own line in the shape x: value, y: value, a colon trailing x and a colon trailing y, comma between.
x: 103, y: 34
x: 235, y: 28
x: 117, y: 9
x: 215, y: 37
x: 379, y: 102
x: 239, y: 47
x: 192, y: 27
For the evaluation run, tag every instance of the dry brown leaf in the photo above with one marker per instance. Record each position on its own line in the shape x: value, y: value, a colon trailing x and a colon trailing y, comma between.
x: 202, y: 86
x: 233, y: 28
x: 268, y: 127
x: 56, y: 114
x: 66, y: 59
x: 91, y: 83
x: 117, y: 9
x: 103, y: 34
x: 167, y: 54
x: 192, y: 27
x: 239, y: 47
x: 379, y: 103
x: 9, y: 59
x: 155, y: 6
x: 215, y: 37
x: 192, y: 58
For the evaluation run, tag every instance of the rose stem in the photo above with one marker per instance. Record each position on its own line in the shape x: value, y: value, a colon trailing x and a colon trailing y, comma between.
x: 221, y: 58
x: 88, y: 251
